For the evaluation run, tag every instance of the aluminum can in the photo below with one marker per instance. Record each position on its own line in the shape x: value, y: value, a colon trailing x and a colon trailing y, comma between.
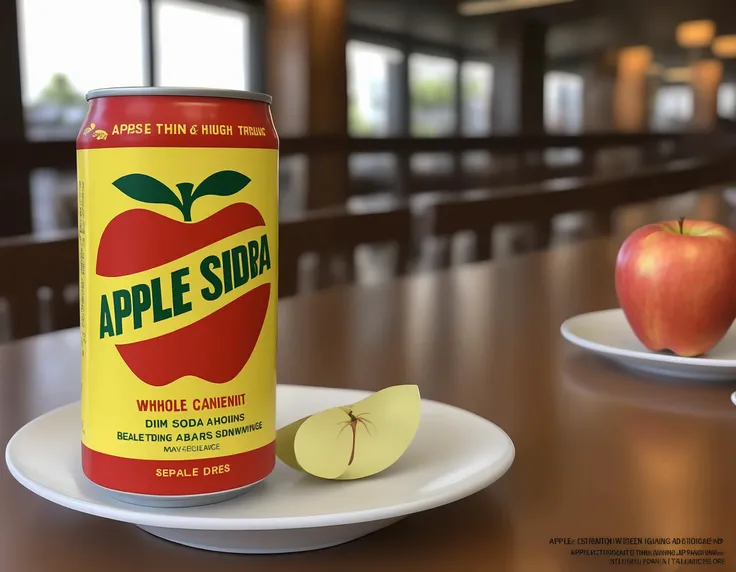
x: 178, y: 231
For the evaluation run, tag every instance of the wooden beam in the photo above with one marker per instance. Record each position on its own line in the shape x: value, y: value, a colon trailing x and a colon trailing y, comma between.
x: 518, y: 84
x: 307, y: 76
x: 15, y: 196
x: 23, y: 156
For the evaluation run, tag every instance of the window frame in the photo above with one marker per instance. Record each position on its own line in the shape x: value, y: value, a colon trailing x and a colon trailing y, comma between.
x: 461, y: 98
x: 15, y: 84
x: 408, y: 46
x: 256, y: 17
x: 394, y: 107
x: 256, y: 58
x: 459, y: 91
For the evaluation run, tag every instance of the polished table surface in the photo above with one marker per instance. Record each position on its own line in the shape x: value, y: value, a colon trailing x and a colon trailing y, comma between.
x: 599, y: 452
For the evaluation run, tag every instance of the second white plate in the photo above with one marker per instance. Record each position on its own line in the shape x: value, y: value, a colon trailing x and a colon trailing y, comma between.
x: 454, y: 454
x: 608, y: 333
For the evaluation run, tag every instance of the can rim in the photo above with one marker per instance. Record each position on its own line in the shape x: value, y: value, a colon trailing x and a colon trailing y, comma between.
x: 186, y: 91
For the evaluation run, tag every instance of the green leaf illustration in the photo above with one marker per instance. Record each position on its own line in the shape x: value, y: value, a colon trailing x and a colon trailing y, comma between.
x: 147, y: 190
x: 222, y: 184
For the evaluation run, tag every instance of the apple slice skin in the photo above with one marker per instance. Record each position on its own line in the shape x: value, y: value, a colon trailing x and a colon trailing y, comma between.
x: 678, y: 290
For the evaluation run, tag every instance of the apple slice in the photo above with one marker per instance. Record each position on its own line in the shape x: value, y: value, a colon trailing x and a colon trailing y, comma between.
x: 354, y: 441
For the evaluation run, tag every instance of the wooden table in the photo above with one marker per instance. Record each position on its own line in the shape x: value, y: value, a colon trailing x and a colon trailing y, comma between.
x: 598, y: 451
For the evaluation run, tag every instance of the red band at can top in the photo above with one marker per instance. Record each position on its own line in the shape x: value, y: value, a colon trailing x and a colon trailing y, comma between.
x: 172, y: 117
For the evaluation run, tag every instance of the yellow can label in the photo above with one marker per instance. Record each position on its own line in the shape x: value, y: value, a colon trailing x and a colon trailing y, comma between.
x: 178, y: 307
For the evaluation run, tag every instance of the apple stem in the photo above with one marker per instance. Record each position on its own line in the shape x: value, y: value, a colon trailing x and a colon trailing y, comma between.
x: 186, y: 200
x: 353, y: 426
x: 681, y: 222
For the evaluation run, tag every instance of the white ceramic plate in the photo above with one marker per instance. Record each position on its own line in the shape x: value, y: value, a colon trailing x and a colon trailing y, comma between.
x: 454, y: 454
x: 608, y: 333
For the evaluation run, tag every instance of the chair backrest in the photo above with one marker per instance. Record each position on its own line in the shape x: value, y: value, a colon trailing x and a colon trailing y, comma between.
x: 40, y: 282
x: 40, y: 274
x: 39, y: 279
x: 337, y: 233
x: 539, y: 203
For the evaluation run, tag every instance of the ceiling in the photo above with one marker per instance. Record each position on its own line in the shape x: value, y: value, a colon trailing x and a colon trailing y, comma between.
x: 576, y: 30
x: 430, y: 21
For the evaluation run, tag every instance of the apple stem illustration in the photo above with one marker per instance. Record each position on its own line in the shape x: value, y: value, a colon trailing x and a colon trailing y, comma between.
x: 147, y: 189
x: 681, y: 223
x: 353, y: 422
x: 186, y: 200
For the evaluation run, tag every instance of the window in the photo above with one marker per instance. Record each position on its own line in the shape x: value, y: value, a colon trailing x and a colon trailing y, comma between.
x: 432, y: 87
x: 727, y: 100
x: 68, y: 48
x: 563, y: 102
x: 373, y: 78
x: 477, y: 81
x: 673, y: 108
x: 200, y: 45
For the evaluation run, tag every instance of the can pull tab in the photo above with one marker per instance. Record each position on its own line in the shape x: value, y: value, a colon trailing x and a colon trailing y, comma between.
x: 733, y: 398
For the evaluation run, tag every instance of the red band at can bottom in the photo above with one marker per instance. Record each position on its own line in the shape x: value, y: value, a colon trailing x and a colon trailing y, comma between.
x: 179, y: 477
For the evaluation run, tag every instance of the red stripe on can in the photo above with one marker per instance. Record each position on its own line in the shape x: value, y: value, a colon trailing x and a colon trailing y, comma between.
x: 157, y: 121
x: 179, y: 477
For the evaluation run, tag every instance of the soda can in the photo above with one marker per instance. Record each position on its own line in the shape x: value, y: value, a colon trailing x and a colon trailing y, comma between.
x: 178, y: 230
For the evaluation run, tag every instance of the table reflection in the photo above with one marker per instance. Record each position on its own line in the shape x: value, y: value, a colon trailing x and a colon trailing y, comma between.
x: 600, y: 379
x: 662, y: 441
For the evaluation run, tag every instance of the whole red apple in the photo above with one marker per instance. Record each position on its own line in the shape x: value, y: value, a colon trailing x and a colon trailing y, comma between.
x: 676, y: 283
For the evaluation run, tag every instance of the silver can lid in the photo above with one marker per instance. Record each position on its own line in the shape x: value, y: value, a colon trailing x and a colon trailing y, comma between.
x: 185, y: 91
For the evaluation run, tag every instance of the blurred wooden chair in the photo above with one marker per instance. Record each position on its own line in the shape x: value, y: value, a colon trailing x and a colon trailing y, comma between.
x: 40, y: 276
x: 538, y: 204
x: 336, y: 234
x: 39, y: 282
x: 479, y: 214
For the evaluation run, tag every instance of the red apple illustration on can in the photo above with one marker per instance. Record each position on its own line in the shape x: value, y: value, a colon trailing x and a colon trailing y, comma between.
x: 216, y: 347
